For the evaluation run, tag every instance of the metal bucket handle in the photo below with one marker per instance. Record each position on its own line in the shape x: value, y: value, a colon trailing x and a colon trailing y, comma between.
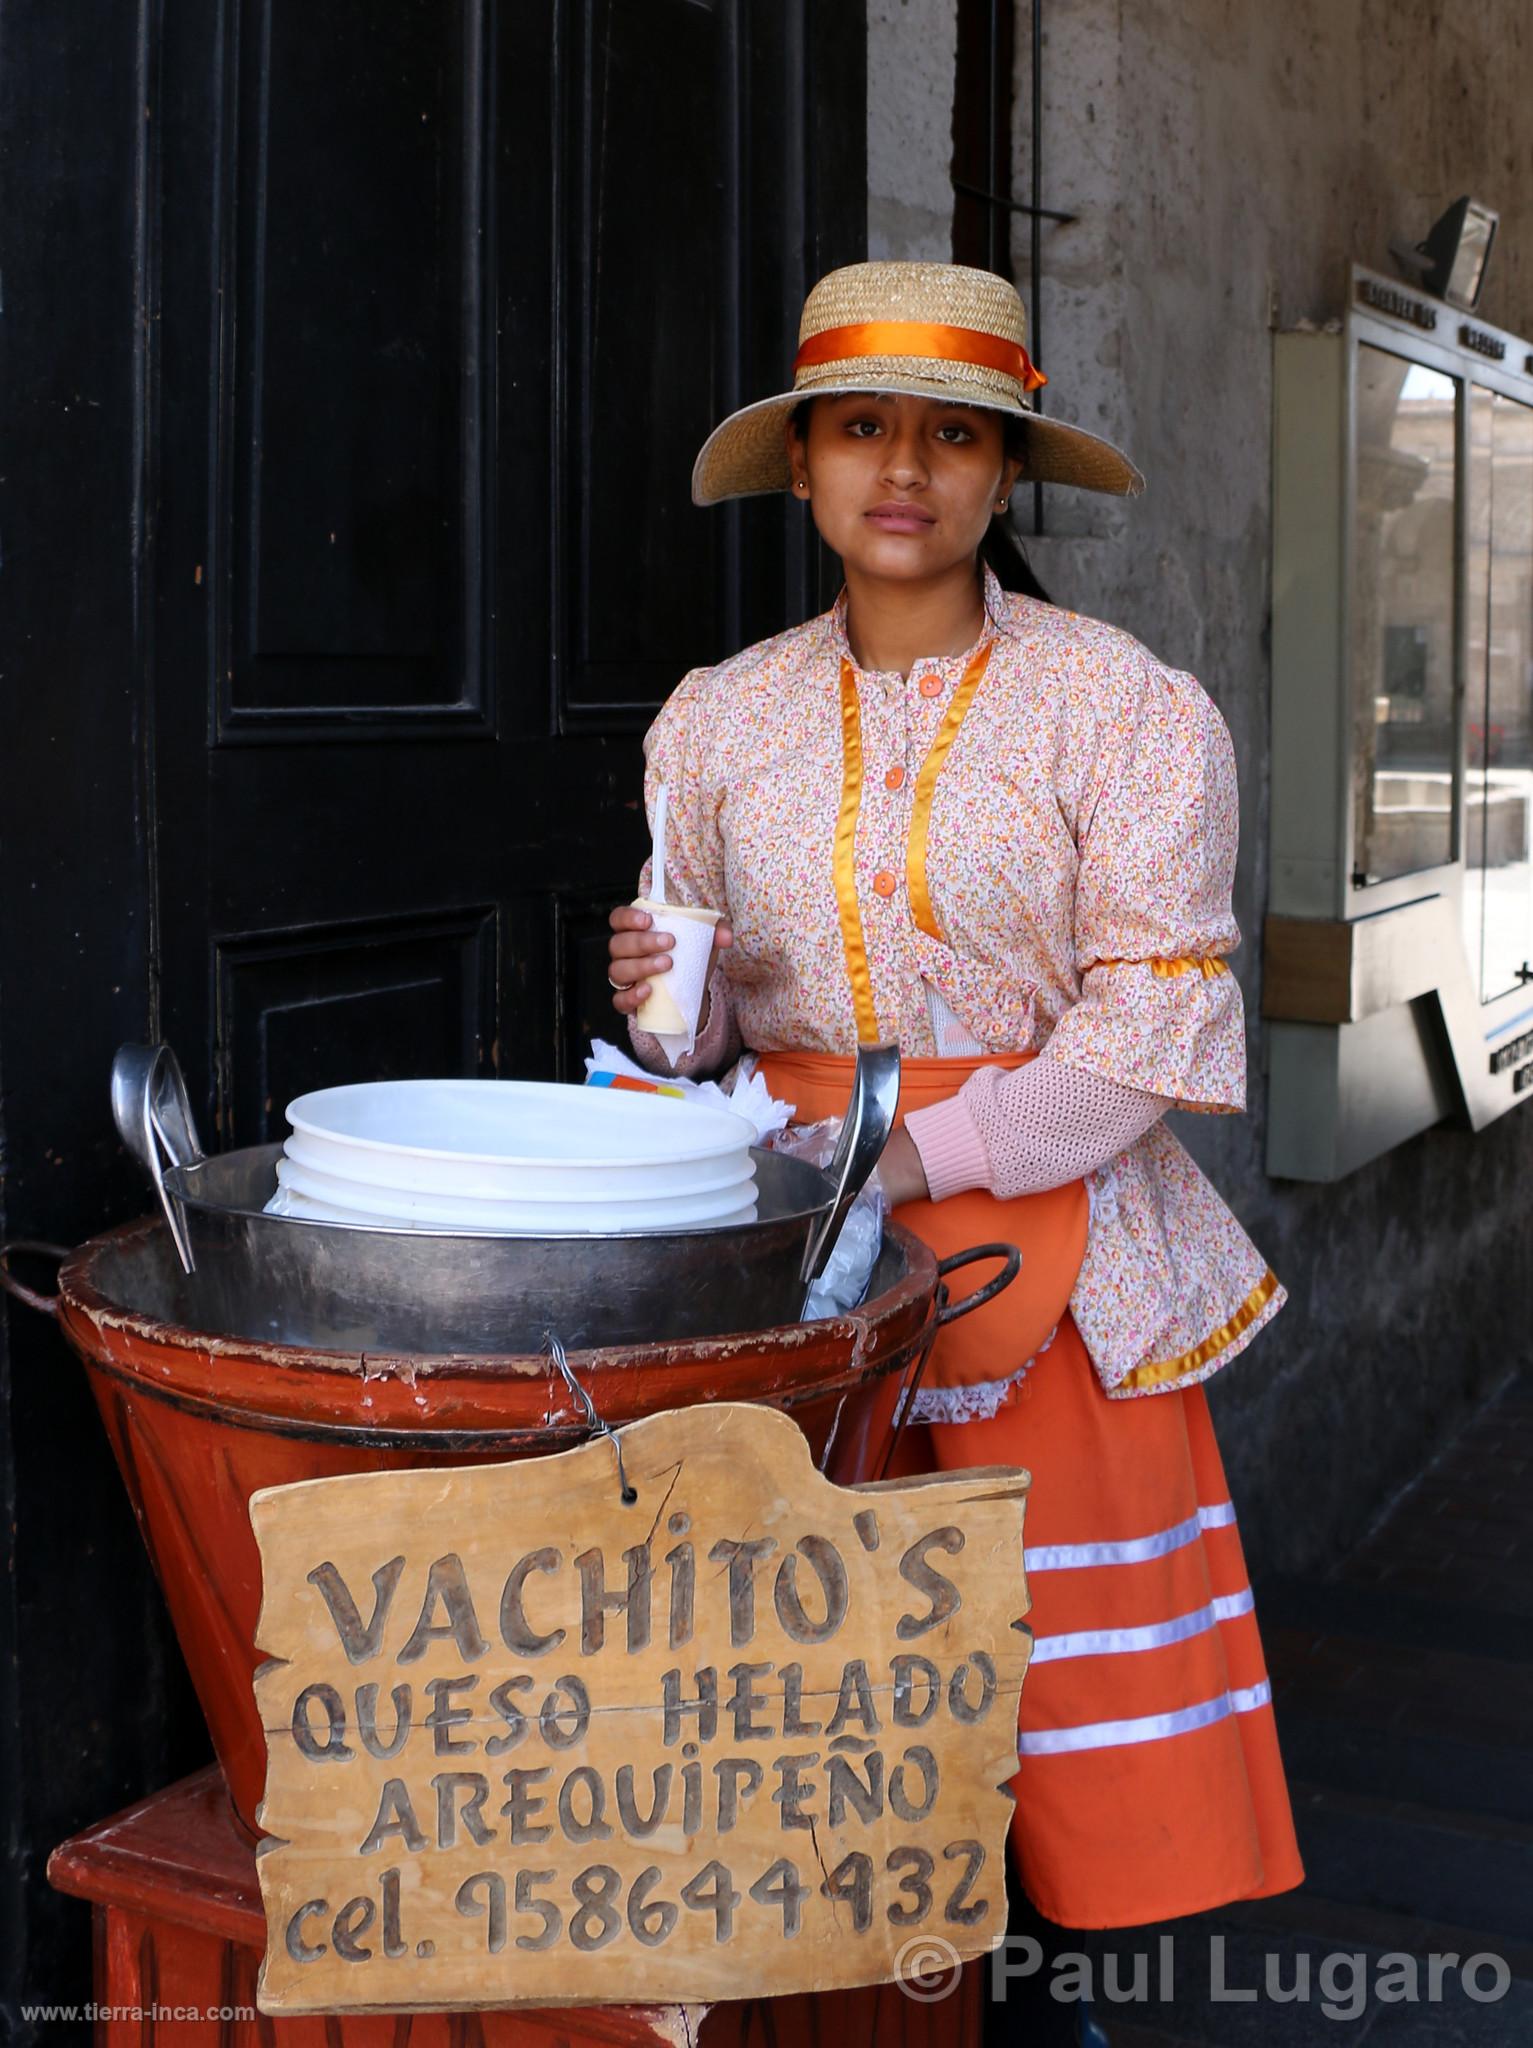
x: 1011, y: 1258
x: 154, y: 1120
x: 949, y: 1312
x: 45, y: 1304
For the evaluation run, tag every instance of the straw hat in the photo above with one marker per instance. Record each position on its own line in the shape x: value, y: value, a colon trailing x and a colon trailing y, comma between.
x: 935, y: 330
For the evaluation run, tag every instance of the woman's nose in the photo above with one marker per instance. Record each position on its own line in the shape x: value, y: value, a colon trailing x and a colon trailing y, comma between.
x: 904, y: 463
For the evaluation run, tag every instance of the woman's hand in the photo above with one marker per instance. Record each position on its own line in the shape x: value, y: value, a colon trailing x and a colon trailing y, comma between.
x: 635, y: 953
x: 900, y: 1171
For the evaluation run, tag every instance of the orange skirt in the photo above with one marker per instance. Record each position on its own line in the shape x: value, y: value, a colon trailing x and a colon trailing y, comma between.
x: 1150, y: 1782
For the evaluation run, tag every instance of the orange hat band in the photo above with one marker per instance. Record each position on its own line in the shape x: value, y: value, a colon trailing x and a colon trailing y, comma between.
x: 920, y: 338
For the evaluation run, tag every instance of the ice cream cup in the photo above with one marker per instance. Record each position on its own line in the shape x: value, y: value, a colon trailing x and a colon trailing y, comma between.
x: 675, y: 999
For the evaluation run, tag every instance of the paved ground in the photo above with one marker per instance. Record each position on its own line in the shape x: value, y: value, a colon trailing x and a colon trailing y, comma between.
x: 1404, y: 1692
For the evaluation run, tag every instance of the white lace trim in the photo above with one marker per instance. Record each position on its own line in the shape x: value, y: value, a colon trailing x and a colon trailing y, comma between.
x: 1101, y: 1197
x: 978, y: 1401
x: 955, y: 1041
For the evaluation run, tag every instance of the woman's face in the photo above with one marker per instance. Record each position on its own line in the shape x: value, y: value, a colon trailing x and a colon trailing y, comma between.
x: 901, y: 487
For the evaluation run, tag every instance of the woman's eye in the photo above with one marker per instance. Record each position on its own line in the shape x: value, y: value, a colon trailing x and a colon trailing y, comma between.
x: 959, y: 433
x: 856, y: 427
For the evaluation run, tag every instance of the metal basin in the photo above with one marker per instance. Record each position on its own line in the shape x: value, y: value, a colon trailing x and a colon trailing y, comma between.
x: 296, y: 1280
x: 342, y: 1286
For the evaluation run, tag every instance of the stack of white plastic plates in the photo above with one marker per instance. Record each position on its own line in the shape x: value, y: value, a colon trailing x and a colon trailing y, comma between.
x: 514, y: 1158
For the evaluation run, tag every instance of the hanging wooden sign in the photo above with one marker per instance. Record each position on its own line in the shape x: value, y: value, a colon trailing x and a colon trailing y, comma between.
x: 532, y: 1744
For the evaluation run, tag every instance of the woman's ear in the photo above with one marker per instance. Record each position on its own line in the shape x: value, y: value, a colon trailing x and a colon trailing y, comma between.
x: 1013, y: 463
x: 798, y: 471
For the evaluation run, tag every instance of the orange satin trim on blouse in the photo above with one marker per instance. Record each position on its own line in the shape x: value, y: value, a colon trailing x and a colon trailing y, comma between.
x: 1209, y: 965
x: 844, y: 856
x: 1157, y: 1373
x: 926, y: 789
x: 920, y: 338
x: 844, y: 860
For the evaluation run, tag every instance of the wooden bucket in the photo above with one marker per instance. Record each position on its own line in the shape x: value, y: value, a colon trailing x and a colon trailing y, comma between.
x: 198, y: 1422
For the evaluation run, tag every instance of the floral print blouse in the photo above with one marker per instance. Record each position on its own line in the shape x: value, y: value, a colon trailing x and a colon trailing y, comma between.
x: 1079, y: 859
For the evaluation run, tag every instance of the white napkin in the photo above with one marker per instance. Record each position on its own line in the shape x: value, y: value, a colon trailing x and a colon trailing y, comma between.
x: 677, y: 999
x: 750, y: 1097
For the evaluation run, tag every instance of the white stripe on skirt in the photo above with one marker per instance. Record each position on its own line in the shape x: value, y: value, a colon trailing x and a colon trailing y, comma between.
x: 1064, y: 1557
x: 1145, y: 1727
x: 1154, y: 1635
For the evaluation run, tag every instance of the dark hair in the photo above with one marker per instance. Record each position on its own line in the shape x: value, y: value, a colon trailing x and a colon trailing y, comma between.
x: 1001, y: 549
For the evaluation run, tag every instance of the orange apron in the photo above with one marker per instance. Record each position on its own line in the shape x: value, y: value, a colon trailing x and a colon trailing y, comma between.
x: 1150, y: 1784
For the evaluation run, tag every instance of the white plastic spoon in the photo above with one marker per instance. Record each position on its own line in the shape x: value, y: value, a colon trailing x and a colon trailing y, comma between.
x: 657, y: 851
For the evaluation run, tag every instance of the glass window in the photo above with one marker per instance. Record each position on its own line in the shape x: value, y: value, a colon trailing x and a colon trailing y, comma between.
x: 1403, y: 671
x: 1498, y: 869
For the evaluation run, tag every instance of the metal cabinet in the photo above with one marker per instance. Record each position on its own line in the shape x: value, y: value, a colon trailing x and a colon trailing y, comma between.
x: 1399, y: 948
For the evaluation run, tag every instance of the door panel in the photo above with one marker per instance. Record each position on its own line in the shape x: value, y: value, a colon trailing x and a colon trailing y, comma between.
x: 653, y: 85
x: 310, y: 1008
x: 352, y: 414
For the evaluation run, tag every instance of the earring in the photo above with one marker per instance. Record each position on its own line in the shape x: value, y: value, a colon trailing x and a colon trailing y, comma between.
x: 801, y: 485
x: 1001, y: 504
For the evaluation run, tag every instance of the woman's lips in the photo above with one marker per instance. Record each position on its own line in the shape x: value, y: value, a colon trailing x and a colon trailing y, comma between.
x: 897, y: 517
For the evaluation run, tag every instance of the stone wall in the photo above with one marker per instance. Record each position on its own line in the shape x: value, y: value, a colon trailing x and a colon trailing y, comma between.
x: 1227, y: 163
x: 912, y: 52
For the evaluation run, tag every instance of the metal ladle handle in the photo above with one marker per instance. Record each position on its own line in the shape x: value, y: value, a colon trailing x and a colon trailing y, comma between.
x: 154, y: 1120
x: 864, y: 1133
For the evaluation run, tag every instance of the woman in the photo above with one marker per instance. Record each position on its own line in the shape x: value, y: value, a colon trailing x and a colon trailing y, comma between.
x: 951, y: 813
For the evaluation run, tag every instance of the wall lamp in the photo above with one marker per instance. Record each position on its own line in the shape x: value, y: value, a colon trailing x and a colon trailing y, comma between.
x: 1451, y: 262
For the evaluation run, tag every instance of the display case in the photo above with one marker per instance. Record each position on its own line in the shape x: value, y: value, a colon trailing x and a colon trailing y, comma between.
x: 1399, y: 948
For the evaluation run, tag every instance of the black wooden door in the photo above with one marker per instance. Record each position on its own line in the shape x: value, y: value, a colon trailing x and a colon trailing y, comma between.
x: 355, y: 358
x: 449, y: 295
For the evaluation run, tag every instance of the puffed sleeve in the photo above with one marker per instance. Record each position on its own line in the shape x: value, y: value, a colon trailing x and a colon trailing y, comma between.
x: 1157, y: 827
x: 676, y: 753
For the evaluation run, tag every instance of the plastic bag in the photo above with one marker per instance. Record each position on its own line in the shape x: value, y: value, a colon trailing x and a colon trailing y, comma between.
x: 844, y: 1282
x: 849, y: 1268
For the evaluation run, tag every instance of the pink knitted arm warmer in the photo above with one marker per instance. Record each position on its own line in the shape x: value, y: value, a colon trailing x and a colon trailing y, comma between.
x: 717, y: 1046
x: 1019, y: 1132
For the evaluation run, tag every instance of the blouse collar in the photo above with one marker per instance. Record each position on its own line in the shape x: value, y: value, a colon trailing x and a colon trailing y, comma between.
x: 997, y: 620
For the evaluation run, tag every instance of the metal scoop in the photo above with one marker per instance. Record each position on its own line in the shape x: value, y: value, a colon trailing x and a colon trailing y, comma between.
x: 864, y: 1133
x: 154, y: 1120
